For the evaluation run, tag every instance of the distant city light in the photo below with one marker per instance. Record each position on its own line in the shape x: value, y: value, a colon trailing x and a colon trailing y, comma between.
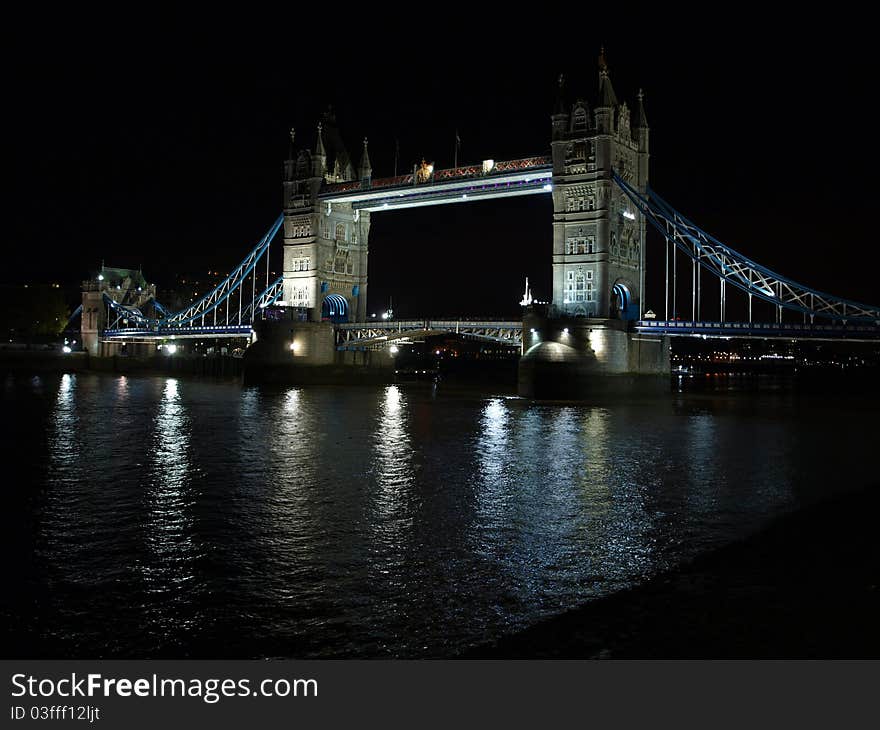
x: 548, y: 187
x: 532, y: 330
x: 170, y: 349
x: 565, y: 330
x: 294, y: 346
x: 100, y: 277
x: 394, y: 349
x: 66, y: 349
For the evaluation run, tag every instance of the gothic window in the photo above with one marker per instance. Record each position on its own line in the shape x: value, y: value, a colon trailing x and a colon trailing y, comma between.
x: 580, y: 286
x: 589, y: 275
x: 575, y: 204
x: 591, y: 245
x: 339, y: 265
x: 349, y: 267
x: 340, y: 231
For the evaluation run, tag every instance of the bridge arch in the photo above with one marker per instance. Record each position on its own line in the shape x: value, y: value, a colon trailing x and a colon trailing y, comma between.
x: 622, y: 300
x: 334, y: 309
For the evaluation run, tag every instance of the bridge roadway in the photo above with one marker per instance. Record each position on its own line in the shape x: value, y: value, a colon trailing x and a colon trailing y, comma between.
x: 761, y: 330
x: 363, y: 335
x: 360, y: 336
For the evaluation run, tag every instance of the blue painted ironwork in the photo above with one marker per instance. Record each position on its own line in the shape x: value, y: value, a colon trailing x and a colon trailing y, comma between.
x: 191, y: 321
x: 220, y: 293
x: 759, y: 330
x: 731, y: 266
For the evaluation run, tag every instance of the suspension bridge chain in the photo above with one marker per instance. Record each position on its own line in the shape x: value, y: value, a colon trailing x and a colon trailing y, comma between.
x: 220, y: 299
x: 732, y: 267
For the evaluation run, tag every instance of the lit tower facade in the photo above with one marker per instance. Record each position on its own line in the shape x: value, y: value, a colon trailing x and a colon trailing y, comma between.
x: 325, y: 247
x: 598, y: 236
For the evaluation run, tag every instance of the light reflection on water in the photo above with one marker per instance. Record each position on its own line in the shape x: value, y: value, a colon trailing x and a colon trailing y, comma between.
x: 182, y: 518
x: 392, y: 468
x: 168, y: 564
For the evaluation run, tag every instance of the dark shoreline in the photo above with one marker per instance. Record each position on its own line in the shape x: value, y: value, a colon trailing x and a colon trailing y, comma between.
x: 807, y: 586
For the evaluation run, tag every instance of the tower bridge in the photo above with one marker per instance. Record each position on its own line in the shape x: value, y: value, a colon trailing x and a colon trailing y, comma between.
x: 597, y: 176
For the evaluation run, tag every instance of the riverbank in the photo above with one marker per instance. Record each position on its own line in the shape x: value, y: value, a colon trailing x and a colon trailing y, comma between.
x: 42, y: 360
x: 808, y: 586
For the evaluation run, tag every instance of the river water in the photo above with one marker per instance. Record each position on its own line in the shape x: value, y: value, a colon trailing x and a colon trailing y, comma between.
x: 151, y: 516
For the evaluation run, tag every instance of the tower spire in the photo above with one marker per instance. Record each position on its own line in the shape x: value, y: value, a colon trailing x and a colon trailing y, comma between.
x: 366, y: 169
x: 320, y: 156
x: 559, y: 107
x: 641, y: 119
x: 607, y: 97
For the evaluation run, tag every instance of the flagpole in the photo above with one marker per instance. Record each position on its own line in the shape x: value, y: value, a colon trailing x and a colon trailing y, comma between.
x: 455, y: 166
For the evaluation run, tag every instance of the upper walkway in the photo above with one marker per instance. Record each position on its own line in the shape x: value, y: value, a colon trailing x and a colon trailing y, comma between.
x: 426, y: 186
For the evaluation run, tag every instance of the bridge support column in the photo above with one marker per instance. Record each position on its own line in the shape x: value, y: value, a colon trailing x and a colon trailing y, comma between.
x: 93, y: 321
x: 292, y: 351
x: 573, y: 358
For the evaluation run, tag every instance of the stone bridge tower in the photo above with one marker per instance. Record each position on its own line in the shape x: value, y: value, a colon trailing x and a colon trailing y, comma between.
x: 325, y: 247
x: 598, y: 237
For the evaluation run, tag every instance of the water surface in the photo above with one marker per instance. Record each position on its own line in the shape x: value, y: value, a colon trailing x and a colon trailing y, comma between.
x: 153, y: 516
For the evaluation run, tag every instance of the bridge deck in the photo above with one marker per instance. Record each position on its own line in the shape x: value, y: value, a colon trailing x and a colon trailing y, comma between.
x: 515, y: 177
x: 760, y: 330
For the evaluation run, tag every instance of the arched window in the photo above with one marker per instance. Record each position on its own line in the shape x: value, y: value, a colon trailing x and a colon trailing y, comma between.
x: 340, y: 231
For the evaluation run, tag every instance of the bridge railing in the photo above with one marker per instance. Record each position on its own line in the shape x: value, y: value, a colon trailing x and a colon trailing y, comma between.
x: 734, y: 329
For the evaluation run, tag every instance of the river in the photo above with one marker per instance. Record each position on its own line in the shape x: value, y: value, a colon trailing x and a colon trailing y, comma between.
x: 149, y: 516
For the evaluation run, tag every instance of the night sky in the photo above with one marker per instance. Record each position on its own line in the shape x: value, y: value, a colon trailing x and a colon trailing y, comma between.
x: 159, y: 142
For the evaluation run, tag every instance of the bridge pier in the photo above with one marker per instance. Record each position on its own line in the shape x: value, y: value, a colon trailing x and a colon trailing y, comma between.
x: 293, y: 351
x: 573, y: 358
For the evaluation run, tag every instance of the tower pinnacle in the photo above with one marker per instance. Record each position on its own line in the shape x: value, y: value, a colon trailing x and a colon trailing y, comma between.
x: 366, y: 169
x: 641, y: 119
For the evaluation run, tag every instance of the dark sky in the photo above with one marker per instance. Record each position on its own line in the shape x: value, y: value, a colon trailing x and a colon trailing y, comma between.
x: 159, y: 140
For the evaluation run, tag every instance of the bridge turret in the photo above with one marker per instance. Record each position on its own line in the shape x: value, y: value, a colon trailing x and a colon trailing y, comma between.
x: 290, y: 162
x: 319, y: 159
x: 607, y: 102
x: 642, y: 132
x: 365, y: 168
x: 560, y: 114
x: 559, y: 120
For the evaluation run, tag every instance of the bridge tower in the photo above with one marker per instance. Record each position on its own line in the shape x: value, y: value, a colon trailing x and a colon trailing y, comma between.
x: 582, y: 344
x: 598, y: 236
x: 325, y: 246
